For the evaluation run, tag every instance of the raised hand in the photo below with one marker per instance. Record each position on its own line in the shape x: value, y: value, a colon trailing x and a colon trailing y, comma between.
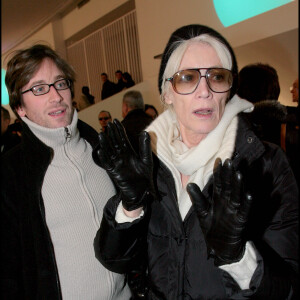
x: 223, y: 217
x: 132, y: 173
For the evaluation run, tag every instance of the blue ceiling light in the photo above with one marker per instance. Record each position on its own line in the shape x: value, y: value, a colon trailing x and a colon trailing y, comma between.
x: 4, y: 93
x: 234, y: 11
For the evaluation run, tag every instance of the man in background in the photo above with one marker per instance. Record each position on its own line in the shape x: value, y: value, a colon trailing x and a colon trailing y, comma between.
x: 135, y: 119
x: 104, y: 117
x: 292, y: 133
x: 120, y: 83
x: 108, y: 87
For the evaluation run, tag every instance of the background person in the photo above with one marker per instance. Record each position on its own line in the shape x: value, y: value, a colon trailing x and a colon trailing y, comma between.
x: 127, y: 79
x: 151, y: 111
x: 135, y: 120
x: 9, y: 136
x: 86, y: 99
x: 120, y: 85
x: 104, y: 117
x: 259, y: 84
x: 291, y: 132
x: 108, y: 87
x: 220, y: 219
x: 52, y: 192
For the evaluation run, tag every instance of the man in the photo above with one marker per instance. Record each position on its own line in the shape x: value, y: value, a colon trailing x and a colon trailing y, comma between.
x: 291, y: 133
x: 108, y: 87
x: 135, y: 119
x: 120, y: 83
x: 52, y: 192
x: 104, y: 117
x: 294, y: 89
x: 9, y: 139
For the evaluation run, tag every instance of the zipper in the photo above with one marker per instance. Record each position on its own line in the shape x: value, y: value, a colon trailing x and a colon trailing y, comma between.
x: 78, y: 169
x: 67, y: 133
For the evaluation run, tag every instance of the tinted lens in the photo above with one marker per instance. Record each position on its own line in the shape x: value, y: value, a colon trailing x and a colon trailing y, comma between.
x: 219, y: 80
x: 185, y: 82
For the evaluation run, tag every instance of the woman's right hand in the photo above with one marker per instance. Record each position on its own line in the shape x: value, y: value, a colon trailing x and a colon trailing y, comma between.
x: 132, y: 173
x: 223, y: 218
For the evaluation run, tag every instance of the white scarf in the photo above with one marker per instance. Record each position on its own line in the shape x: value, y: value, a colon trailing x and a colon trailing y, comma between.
x: 196, y: 162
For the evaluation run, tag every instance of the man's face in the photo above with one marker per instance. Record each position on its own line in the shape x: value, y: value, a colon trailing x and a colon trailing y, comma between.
x: 124, y: 109
x: 295, y: 91
x: 51, y: 110
x: 103, y: 78
x: 104, y: 118
x: 119, y: 75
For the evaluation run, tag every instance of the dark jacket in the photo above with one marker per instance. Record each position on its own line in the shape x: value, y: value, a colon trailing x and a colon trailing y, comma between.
x: 177, y: 257
x: 267, y: 118
x: 28, y: 266
x: 108, y: 89
x: 134, y: 123
x: 9, y: 139
x: 120, y: 85
x: 292, y: 140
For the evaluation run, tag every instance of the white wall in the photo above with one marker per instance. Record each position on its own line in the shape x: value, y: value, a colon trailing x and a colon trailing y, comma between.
x: 87, y: 14
x: 270, y: 38
x: 158, y: 19
x: 45, y: 35
x: 266, y: 38
x: 279, y: 51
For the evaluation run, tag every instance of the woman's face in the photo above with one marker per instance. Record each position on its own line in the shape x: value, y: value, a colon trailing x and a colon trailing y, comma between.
x: 200, y: 112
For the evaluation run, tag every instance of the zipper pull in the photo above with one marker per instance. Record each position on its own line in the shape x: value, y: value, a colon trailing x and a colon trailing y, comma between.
x: 68, y: 134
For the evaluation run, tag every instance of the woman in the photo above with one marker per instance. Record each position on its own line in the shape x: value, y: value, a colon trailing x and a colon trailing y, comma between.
x: 219, y: 219
x: 127, y: 79
x: 86, y: 99
x: 259, y: 84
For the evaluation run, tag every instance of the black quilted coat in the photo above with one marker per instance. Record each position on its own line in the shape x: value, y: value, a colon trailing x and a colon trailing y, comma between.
x: 175, y: 250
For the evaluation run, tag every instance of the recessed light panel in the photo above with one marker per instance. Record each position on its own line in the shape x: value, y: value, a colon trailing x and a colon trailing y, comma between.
x: 234, y: 11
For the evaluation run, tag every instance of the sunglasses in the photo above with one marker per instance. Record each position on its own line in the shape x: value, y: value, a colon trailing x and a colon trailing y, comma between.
x: 104, y: 118
x: 185, y: 82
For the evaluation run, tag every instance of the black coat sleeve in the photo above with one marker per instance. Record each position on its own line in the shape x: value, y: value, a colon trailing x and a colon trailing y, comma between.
x: 274, y: 225
x: 121, y: 247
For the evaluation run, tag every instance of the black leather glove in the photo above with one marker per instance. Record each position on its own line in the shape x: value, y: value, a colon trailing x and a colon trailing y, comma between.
x: 223, y: 218
x: 131, y: 173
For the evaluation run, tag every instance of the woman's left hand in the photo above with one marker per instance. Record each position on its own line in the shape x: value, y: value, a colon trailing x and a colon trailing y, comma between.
x: 223, y: 218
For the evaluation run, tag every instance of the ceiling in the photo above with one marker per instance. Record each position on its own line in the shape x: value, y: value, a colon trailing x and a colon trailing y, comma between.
x: 20, y: 19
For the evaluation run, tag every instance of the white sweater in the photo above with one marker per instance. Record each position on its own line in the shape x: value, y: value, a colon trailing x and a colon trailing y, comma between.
x: 75, y: 191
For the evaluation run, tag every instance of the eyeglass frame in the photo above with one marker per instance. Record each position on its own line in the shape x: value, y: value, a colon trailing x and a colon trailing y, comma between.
x: 170, y: 79
x: 69, y: 83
